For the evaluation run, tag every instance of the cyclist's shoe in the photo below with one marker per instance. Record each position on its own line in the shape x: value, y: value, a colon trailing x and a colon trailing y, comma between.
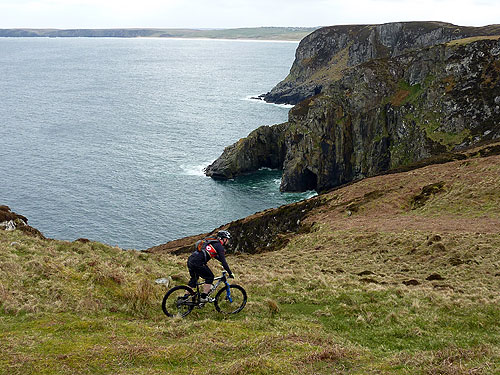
x: 207, y: 300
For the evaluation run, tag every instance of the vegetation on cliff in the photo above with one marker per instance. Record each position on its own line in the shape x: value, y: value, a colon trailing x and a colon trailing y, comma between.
x: 395, y: 274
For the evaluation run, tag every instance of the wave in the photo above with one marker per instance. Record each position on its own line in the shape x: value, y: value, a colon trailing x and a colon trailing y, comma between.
x: 255, y: 98
x: 194, y: 170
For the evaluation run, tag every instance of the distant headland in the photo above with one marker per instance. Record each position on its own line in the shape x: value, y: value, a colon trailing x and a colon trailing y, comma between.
x: 256, y: 33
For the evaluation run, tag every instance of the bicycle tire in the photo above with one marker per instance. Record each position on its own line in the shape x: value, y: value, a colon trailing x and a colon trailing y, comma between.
x: 171, y: 304
x: 224, y: 306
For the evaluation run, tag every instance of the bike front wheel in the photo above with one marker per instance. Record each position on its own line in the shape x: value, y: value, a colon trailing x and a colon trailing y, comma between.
x: 176, y: 304
x: 232, y: 302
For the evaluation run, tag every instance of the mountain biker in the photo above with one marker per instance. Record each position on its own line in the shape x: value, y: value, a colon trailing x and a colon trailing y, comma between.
x: 197, y: 262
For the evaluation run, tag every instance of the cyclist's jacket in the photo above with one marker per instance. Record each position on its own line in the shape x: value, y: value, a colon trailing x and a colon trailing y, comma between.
x: 213, y: 250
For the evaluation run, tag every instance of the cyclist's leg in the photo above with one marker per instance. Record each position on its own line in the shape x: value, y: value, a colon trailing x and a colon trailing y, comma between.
x: 193, y: 265
x: 206, y: 273
x: 194, y: 277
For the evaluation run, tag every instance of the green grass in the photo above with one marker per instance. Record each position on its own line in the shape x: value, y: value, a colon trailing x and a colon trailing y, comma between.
x: 473, y: 193
x: 304, y: 315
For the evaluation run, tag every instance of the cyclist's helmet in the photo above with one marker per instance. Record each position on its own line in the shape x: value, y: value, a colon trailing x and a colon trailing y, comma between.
x: 224, y: 234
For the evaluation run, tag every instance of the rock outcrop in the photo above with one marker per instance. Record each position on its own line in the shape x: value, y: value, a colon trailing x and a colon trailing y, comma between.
x: 11, y: 221
x: 381, y: 114
x: 263, y: 148
x: 261, y: 232
x: 325, y: 55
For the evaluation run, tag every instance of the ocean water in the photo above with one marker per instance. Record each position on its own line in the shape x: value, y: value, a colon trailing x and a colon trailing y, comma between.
x: 107, y: 139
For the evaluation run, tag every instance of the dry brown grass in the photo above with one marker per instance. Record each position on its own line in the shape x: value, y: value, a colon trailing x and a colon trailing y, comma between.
x: 464, y: 41
x: 449, y: 361
x: 398, y: 98
x: 438, y: 250
x: 273, y: 307
x: 56, y: 276
x: 470, y: 202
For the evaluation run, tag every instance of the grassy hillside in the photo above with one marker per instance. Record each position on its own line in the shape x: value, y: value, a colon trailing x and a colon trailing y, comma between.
x: 399, y: 275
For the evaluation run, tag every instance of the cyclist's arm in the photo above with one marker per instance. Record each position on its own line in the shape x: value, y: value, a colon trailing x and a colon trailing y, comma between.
x: 221, y: 257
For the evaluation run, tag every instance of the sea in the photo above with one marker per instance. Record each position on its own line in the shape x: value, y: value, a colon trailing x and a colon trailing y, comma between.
x: 107, y: 138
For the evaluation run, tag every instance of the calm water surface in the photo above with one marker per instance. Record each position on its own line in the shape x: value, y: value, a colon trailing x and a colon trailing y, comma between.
x: 106, y: 138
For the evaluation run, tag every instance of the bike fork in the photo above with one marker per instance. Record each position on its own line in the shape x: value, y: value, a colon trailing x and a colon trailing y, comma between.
x: 228, y: 293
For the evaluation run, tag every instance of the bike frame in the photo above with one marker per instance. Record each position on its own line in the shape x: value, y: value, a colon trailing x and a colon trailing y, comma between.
x: 183, y: 304
x: 220, y: 280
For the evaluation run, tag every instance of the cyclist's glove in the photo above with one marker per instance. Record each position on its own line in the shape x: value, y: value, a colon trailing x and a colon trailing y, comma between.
x: 231, y: 276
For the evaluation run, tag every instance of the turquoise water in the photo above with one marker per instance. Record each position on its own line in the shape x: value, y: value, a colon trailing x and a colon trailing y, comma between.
x: 106, y: 139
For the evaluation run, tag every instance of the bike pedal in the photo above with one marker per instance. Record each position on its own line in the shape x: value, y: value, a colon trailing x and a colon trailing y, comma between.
x: 207, y: 300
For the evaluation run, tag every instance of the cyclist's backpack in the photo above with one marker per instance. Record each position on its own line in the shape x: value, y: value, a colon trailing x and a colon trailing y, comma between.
x: 201, y: 245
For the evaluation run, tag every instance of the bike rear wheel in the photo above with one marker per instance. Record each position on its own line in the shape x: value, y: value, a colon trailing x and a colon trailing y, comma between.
x: 232, y: 304
x: 175, y: 305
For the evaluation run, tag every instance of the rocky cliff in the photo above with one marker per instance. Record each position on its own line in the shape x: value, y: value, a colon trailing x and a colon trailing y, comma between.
x: 326, y: 54
x: 381, y: 114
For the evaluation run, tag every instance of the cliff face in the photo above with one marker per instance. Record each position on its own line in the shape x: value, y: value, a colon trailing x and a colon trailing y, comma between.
x: 382, y: 114
x: 327, y: 53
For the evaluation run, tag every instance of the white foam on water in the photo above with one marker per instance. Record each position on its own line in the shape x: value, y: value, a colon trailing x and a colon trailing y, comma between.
x: 310, y: 194
x: 194, y: 170
x: 254, y: 98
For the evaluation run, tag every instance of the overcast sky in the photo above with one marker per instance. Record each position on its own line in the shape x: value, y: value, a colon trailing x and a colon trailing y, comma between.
x: 239, y: 13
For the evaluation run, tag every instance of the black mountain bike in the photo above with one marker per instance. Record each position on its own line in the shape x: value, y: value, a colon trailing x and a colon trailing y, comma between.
x: 181, y: 300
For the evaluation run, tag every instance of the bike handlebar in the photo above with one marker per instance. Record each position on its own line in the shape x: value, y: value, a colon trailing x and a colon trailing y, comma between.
x: 224, y: 273
x: 223, y: 277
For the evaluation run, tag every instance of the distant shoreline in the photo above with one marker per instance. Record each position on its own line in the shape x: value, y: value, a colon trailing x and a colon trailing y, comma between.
x: 292, y: 34
x: 156, y: 37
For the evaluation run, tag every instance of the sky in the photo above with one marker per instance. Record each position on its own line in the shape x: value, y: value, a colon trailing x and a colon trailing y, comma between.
x: 66, y: 14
